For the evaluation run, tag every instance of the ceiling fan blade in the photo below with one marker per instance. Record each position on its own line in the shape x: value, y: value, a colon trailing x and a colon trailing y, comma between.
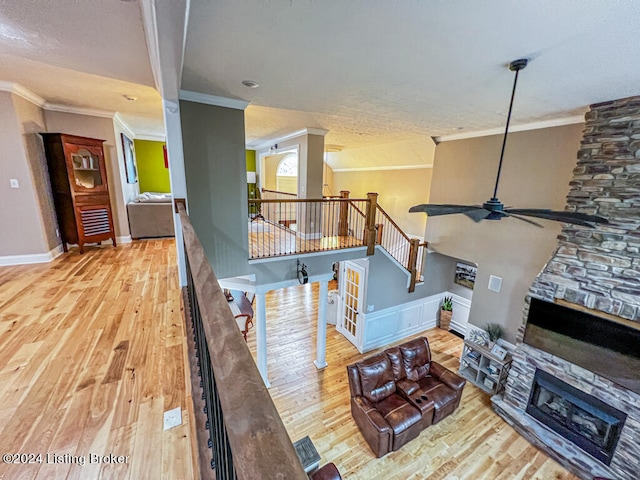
x: 506, y: 214
x: 477, y: 214
x: 575, y: 218
x: 434, y: 210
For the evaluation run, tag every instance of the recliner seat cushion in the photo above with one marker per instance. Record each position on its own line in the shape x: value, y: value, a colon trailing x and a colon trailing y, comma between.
x: 376, y: 377
x: 437, y: 391
x: 398, y: 413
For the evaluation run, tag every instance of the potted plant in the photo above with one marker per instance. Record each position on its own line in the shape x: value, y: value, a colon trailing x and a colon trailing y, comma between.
x: 495, y: 333
x: 446, y: 310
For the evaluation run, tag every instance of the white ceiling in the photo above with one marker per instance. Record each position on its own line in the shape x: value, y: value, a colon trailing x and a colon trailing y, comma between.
x: 81, y: 54
x: 369, y: 71
x: 376, y: 71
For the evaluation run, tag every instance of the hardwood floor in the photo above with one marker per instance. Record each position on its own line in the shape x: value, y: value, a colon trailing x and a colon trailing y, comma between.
x: 92, y: 353
x: 474, y: 443
x: 270, y: 240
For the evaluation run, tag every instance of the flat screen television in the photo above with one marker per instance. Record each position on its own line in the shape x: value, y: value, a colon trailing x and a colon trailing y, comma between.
x: 605, y: 347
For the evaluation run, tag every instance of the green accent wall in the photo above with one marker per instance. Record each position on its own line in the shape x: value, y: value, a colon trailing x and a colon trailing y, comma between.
x: 152, y: 174
x: 251, y: 160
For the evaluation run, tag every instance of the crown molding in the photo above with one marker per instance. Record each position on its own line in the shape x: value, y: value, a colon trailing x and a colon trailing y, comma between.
x: 117, y: 118
x: 558, y: 122
x: 56, y: 107
x: 298, y: 133
x: 375, y: 169
x: 226, y: 102
x: 22, y: 92
x: 152, y: 137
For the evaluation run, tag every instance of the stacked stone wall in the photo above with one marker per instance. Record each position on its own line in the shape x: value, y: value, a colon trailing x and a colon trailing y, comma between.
x: 595, y: 268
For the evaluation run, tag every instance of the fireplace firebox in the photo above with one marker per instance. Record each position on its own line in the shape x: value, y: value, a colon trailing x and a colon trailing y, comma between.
x: 579, y: 417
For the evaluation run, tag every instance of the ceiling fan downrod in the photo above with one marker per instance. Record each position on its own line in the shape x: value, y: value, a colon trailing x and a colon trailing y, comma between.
x: 514, y: 66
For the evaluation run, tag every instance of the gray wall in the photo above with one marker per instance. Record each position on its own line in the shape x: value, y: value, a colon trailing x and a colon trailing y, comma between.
x: 387, y: 283
x: 215, y: 168
x: 535, y: 174
x: 31, y: 120
x: 21, y: 230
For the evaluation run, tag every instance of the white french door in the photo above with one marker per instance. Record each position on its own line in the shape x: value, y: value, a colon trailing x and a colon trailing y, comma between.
x: 352, y: 296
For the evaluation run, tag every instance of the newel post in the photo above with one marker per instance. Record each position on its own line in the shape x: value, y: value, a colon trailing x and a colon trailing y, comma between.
x: 370, y: 226
x: 343, y: 222
x: 413, y: 263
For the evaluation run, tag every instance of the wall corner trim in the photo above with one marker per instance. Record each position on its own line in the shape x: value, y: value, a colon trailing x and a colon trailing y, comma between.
x: 215, y: 100
x: 117, y: 118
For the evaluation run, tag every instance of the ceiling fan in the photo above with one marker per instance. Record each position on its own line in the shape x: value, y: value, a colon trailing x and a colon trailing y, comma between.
x: 494, y: 209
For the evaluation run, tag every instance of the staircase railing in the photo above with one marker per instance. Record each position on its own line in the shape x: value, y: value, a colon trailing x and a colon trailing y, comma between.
x: 295, y: 226
x: 409, y: 252
x: 241, y: 435
x: 287, y: 226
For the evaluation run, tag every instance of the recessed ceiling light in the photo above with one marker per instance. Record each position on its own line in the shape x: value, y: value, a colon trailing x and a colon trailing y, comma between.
x: 250, y: 83
x: 459, y: 128
x: 131, y: 98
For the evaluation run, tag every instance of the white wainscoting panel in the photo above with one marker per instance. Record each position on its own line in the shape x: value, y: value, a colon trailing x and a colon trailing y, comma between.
x: 460, y: 317
x: 396, y: 323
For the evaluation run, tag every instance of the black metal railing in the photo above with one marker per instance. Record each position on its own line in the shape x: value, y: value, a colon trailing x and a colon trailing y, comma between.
x: 239, y: 424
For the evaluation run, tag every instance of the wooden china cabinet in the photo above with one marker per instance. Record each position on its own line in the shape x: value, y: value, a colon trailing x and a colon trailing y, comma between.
x: 80, y: 191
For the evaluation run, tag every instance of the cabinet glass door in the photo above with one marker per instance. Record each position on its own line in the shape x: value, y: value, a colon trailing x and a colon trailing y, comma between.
x: 87, y: 167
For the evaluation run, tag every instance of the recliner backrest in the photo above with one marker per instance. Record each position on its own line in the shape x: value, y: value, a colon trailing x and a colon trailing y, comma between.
x: 416, y: 358
x: 376, y: 377
x: 395, y: 357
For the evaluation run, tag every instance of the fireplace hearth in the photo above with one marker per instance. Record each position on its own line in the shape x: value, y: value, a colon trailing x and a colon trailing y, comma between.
x: 586, y: 421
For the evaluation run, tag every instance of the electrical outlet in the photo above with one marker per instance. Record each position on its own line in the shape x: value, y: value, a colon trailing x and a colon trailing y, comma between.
x: 14, y: 183
x: 172, y: 418
x: 370, y: 308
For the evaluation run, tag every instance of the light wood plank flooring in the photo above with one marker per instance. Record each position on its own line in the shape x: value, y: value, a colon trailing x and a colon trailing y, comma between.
x: 269, y: 240
x: 474, y: 443
x: 92, y: 353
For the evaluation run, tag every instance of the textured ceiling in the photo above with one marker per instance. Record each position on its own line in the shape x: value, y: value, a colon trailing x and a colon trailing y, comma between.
x: 377, y: 71
x: 369, y: 71
x: 81, y: 54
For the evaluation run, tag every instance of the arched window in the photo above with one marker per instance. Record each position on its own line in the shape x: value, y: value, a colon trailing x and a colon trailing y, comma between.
x: 288, y: 166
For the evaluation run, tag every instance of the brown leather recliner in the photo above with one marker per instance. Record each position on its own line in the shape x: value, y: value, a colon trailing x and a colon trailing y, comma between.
x: 387, y: 420
x: 397, y: 393
x: 437, y: 383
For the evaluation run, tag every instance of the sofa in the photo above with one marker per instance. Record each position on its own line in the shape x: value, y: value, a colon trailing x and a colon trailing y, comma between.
x: 151, y: 215
x: 399, y: 392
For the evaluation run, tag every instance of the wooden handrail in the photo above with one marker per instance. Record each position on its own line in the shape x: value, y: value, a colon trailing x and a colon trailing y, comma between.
x: 259, y: 442
x: 390, y: 220
x: 266, y: 190
x: 307, y: 200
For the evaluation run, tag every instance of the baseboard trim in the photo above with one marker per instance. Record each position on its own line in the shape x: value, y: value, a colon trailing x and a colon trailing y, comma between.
x: 29, y: 259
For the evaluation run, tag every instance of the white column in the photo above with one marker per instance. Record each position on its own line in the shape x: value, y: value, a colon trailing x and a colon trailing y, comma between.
x: 321, y: 345
x: 261, y: 336
x: 177, y: 178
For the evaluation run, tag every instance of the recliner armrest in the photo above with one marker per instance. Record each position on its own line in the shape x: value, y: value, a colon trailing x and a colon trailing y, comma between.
x: 375, y: 429
x: 406, y: 387
x: 446, y: 376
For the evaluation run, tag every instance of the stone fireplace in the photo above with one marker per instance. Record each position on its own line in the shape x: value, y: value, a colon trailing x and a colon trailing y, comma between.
x: 596, y: 271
